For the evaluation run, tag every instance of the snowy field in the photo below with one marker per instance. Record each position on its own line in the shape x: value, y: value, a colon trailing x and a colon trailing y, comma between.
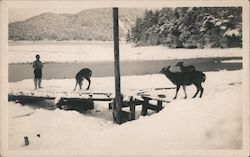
x: 212, y: 122
x: 23, y: 52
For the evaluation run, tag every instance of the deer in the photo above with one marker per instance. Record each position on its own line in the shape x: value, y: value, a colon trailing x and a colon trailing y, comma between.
x: 185, y: 68
x: 184, y: 79
x: 84, y: 73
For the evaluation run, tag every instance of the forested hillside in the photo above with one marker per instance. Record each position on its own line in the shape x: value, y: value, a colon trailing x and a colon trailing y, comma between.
x: 195, y: 27
x: 90, y: 24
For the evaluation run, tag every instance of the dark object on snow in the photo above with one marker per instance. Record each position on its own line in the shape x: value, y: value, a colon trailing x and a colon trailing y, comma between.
x: 185, y: 68
x: 161, y: 96
x: 85, y: 73
x: 185, y: 78
x: 38, y: 135
x: 26, y: 141
x: 24, y: 99
x: 75, y: 104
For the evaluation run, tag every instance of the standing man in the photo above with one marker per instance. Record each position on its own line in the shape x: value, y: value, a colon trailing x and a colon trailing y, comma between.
x: 37, y: 65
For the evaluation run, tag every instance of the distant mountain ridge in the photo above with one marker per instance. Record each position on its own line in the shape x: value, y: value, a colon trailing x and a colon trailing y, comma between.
x: 90, y: 24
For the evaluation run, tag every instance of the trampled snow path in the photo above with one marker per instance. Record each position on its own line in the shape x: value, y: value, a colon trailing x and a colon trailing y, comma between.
x: 212, y: 122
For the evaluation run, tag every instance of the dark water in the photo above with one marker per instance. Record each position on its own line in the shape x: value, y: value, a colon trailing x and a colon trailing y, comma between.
x: 18, y: 72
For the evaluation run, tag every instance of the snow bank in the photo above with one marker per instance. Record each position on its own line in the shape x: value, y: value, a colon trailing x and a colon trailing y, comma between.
x: 89, y: 52
x: 212, y: 122
x: 232, y: 61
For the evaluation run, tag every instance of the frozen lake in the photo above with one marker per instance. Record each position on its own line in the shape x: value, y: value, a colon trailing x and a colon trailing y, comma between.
x: 21, y: 71
x: 62, y: 59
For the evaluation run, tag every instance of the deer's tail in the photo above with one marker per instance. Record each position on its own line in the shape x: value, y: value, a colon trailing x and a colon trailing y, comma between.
x: 204, y: 77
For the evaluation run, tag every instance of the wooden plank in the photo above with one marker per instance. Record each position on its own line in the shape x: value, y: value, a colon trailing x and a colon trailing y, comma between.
x: 136, y: 103
x: 153, y: 107
x: 92, y: 99
x: 58, y: 93
x: 26, y: 97
x: 153, y: 98
x: 143, y: 91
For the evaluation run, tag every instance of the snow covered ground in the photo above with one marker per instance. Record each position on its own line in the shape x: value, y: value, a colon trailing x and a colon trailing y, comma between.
x: 23, y: 52
x: 212, y: 122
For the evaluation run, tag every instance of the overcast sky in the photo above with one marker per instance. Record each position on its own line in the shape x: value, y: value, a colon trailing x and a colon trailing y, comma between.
x: 20, y: 14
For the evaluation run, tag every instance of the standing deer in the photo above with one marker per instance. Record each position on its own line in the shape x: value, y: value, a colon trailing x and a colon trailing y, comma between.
x: 185, y: 68
x: 85, y: 73
x: 185, y: 78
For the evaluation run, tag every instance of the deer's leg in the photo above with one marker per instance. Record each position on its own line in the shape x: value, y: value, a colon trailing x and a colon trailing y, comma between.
x: 177, y: 89
x: 201, y: 89
x: 89, y: 83
x: 198, y: 89
x: 80, y: 83
x: 184, y: 88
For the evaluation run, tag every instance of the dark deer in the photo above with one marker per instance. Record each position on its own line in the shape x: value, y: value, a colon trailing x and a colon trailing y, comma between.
x: 185, y: 68
x: 85, y: 73
x: 185, y: 78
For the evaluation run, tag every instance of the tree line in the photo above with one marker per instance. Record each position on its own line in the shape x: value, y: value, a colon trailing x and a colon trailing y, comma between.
x: 189, y: 27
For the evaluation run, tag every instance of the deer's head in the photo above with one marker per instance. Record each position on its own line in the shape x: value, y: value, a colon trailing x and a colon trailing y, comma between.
x: 179, y: 64
x: 165, y: 69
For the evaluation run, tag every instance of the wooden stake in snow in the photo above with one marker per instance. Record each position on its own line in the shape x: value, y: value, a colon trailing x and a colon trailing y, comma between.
x: 26, y: 141
x: 118, y: 101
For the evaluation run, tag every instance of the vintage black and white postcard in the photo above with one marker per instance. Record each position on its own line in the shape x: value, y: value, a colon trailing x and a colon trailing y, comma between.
x: 124, y: 78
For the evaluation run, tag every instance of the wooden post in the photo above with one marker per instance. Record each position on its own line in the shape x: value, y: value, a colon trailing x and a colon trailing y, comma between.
x: 26, y: 140
x: 132, y: 108
x: 145, y: 104
x: 159, y: 105
x: 118, y: 102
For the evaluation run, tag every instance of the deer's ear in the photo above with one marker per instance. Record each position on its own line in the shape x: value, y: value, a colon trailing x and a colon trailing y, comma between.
x: 162, y: 70
x: 168, y: 67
